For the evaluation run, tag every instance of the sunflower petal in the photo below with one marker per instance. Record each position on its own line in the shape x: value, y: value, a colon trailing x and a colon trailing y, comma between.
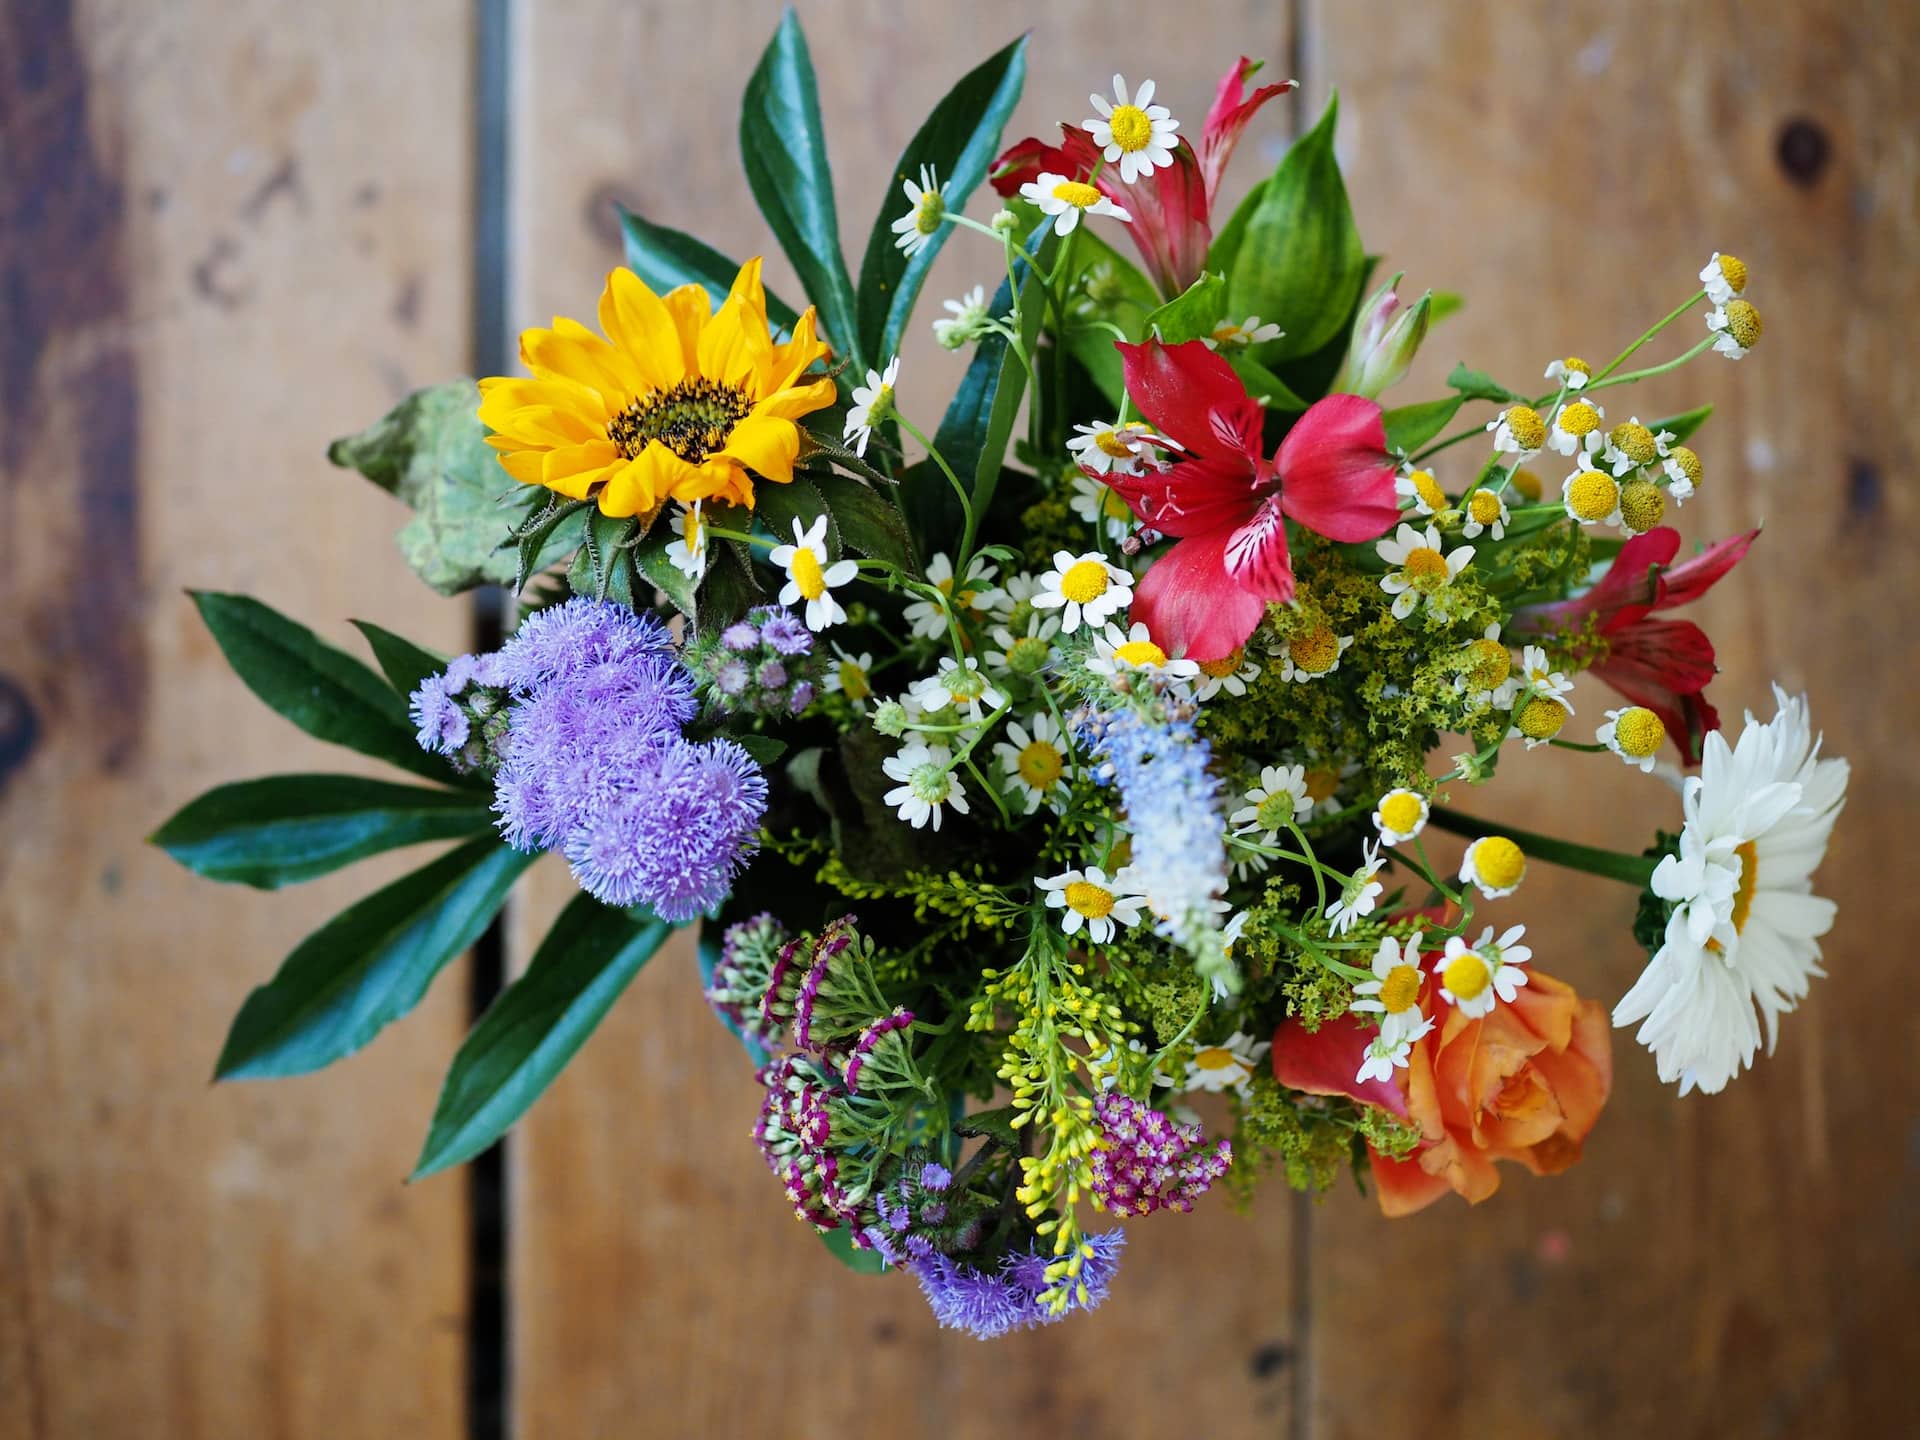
x: 640, y: 325
x: 765, y: 444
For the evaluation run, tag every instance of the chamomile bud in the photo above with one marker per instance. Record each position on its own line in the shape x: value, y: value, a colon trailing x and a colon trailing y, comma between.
x: 1635, y: 734
x: 1518, y: 430
x: 1683, y: 470
x: 1737, y: 324
x: 1539, y: 718
x: 1592, y: 497
x: 1494, y: 865
x: 1725, y: 276
x: 1401, y: 815
x: 1572, y: 372
x: 1642, y: 506
x: 1576, y: 428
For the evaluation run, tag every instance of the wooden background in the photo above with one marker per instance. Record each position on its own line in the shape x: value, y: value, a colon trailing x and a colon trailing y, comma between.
x: 232, y: 229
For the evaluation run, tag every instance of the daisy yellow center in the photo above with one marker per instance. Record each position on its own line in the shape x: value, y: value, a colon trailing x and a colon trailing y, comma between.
x: 1423, y: 562
x: 1041, y: 765
x: 1749, y: 854
x: 1084, y: 581
x: 853, y: 680
x: 1140, y: 652
x: 1634, y: 441
x: 1076, y: 193
x: 1428, y: 489
x: 1488, y: 664
x: 1499, y: 862
x: 1467, y: 976
x: 1111, y: 442
x: 692, y: 418
x: 1318, y: 650
x: 1088, y: 899
x: 1132, y: 130
x: 1734, y: 271
x: 1577, y: 366
x: 1027, y: 654
x: 1579, y: 418
x: 1223, y: 667
x: 1642, y: 506
x: 1526, y: 427
x: 1215, y: 1057
x: 1593, y: 495
x: 1484, y: 506
x: 1400, y: 812
x: 1743, y: 322
x: 1688, y: 462
x: 1401, y: 989
x: 1639, y: 732
x: 1321, y: 784
x: 1527, y: 483
x: 1541, y: 718
x: 930, y: 213
x: 804, y: 567
x: 1276, y: 811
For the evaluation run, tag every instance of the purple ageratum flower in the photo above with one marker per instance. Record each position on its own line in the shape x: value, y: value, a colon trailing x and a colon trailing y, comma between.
x: 991, y: 1303
x: 740, y: 637
x: 786, y: 632
x: 562, y: 639
x: 801, y: 698
x: 1029, y: 1271
x: 1148, y: 1162
x: 442, y: 725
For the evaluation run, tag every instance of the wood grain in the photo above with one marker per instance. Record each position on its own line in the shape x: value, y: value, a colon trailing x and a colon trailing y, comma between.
x: 215, y: 259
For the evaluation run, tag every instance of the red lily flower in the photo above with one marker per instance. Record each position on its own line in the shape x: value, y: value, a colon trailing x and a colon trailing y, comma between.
x: 1227, y: 505
x: 1172, y: 208
x: 1664, y: 665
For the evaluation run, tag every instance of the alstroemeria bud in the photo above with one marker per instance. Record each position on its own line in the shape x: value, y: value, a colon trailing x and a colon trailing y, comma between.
x: 1386, y: 336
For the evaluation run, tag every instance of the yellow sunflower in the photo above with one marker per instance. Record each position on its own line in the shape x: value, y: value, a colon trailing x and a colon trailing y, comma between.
x: 677, y: 402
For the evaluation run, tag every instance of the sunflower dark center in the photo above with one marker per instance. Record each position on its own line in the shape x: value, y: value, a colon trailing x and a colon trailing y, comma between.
x: 692, y: 419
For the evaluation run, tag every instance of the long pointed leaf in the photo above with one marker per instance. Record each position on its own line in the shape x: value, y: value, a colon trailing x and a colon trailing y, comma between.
x: 404, y: 663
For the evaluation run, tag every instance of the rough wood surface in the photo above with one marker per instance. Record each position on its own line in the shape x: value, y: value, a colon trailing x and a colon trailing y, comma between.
x: 213, y: 259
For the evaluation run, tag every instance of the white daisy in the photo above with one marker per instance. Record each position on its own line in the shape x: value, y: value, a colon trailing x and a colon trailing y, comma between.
x: 1394, y: 992
x: 851, y: 676
x: 1135, y: 134
x: 1093, y: 900
x: 928, y: 783
x: 1311, y: 654
x: 1475, y: 978
x: 1419, y: 489
x: 1117, y: 652
x: 1066, y: 200
x: 973, y: 600
x: 1576, y: 428
x: 1102, y: 507
x: 1085, y: 589
x: 1724, y: 276
x: 1538, y: 674
x: 1538, y: 718
x: 809, y: 577
x: 1400, y: 815
x: 1494, y: 865
x: 1683, y: 471
x: 688, y: 553
x: 966, y: 319
x: 1241, y: 335
x: 1737, y: 324
x: 1635, y: 734
x: 1518, y: 430
x: 1231, y: 1064
x: 1005, y: 602
x: 1026, y: 654
x: 1423, y: 569
x: 1116, y: 449
x: 1035, y: 756
x: 1279, y: 800
x: 1484, y: 510
x: 1232, y: 672
x: 1360, y: 894
x: 1572, y: 372
x: 922, y: 222
x: 1382, y: 1055
x: 1591, y: 496
x: 872, y: 404
x: 964, y: 687
x: 1745, y: 926
x: 1631, y: 445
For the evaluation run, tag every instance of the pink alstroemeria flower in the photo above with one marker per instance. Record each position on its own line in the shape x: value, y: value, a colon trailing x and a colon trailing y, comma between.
x: 1227, y: 505
x: 1662, y: 664
x: 1172, y: 208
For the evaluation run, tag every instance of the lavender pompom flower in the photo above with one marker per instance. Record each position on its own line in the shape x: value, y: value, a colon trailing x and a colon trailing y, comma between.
x: 787, y: 633
x: 1147, y: 1161
x: 764, y: 664
x: 991, y: 1303
x: 447, y: 706
x: 562, y: 639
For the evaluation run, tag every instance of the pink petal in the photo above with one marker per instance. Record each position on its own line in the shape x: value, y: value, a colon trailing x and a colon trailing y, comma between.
x: 1325, y: 1061
x: 1190, y: 395
x: 1190, y: 497
x: 1191, y: 606
x: 1256, y: 554
x: 1335, y: 477
x: 1229, y: 116
x: 1689, y: 580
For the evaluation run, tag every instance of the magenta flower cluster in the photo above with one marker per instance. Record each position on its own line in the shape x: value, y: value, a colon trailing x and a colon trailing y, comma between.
x: 1146, y: 1161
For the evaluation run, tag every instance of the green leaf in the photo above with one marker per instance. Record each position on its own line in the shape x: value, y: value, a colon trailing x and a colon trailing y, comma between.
x: 369, y: 965
x: 1264, y: 385
x: 1191, y: 315
x: 1124, y: 297
x: 649, y: 557
x: 1684, y: 425
x: 727, y: 591
x: 840, y: 1245
x: 764, y: 749
x: 324, y: 691
x: 778, y: 507
x: 1411, y: 426
x: 536, y: 1026
x: 287, y: 828
x: 1225, y: 250
x: 994, y: 1125
x: 959, y: 140
x: 1478, y: 385
x: 784, y: 149
x: 404, y: 663
x: 431, y: 453
x: 667, y: 259
x: 1299, y: 262
x: 602, y: 567
x: 1445, y: 303
x: 556, y: 529
x: 868, y: 519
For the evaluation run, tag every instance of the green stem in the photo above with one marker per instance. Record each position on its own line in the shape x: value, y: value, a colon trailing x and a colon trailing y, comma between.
x: 966, y: 500
x: 1674, y: 364
x: 1634, y: 870
x: 1657, y: 327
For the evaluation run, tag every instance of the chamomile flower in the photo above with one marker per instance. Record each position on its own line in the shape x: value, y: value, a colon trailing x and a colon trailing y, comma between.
x: 1473, y: 979
x: 1035, y: 756
x: 872, y: 404
x: 1493, y: 865
x: 1518, y: 430
x: 1484, y: 510
x: 1311, y: 654
x: 810, y: 577
x: 966, y: 319
x: 851, y: 676
x: 1743, y: 925
x: 1591, y: 496
x: 1135, y: 134
x: 1737, y: 324
x: 1424, y: 570
x: 1094, y: 901
x: 1538, y: 718
x: 1117, y: 653
x: 1360, y: 894
x: 1231, y: 1064
x: 1537, y: 673
x: 1067, y: 200
x: 1486, y: 669
x: 1382, y: 1055
x: 928, y: 785
x: 1576, y: 428
x: 1012, y: 600
x: 964, y: 687
x: 1643, y: 505
x: 1401, y: 815
x: 1100, y: 505
x: 1115, y: 450
x: 1394, y: 992
x: 1232, y: 672
x: 922, y: 222
x: 1242, y: 334
x: 1635, y: 734
x: 1422, y: 491
x: 1026, y: 653
x: 1725, y: 276
x: 1085, y: 589
x: 688, y: 552
x: 972, y: 600
x: 1631, y: 445
x: 1279, y: 800
x: 1572, y: 372
x: 1683, y: 471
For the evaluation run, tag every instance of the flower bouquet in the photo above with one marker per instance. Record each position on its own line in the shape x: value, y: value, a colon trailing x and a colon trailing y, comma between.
x: 1032, y: 767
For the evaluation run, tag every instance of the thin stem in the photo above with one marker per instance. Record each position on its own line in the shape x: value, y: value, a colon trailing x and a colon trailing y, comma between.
x: 1673, y: 315
x: 966, y: 500
x: 1674, y: 364
x: 1634, y: 870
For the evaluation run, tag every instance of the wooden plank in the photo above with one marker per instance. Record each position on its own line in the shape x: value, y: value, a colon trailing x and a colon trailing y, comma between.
x: 1730, y: 1265
x: 657, y: 1273
x: 216, y: 258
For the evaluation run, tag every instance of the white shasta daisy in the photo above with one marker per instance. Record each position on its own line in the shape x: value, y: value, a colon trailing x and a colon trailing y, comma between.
x: 1090, y: 899
x: 1135, y: 134
x: 1085, y: 589
x: 810, y: 577
x: 1394, y: 992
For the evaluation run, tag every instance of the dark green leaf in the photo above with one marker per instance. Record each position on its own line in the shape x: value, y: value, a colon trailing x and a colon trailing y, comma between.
x: 1191, y: 315
x: 1299, y: 262
x: 994, y: 1125
x: 556, y: 529
x: 324, y: 691
x: 764, y: 749
x: 780, y: 507
x: 603, y: 568
x: 727, y: 592
x: 650, y: 559
x: 287, y: 828
x: 1265, y: 386
x: 369, y: 965
x: 536, y: 1026
x: 1122, y: 296
x: 404, y: 663
x: 868, y: 519
x: 840, y: 1245
x: 1684, y: 425
x: 667, y: 259
x: 784, y: 149
x: 1411, y: 426
x: 1478, y: 385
